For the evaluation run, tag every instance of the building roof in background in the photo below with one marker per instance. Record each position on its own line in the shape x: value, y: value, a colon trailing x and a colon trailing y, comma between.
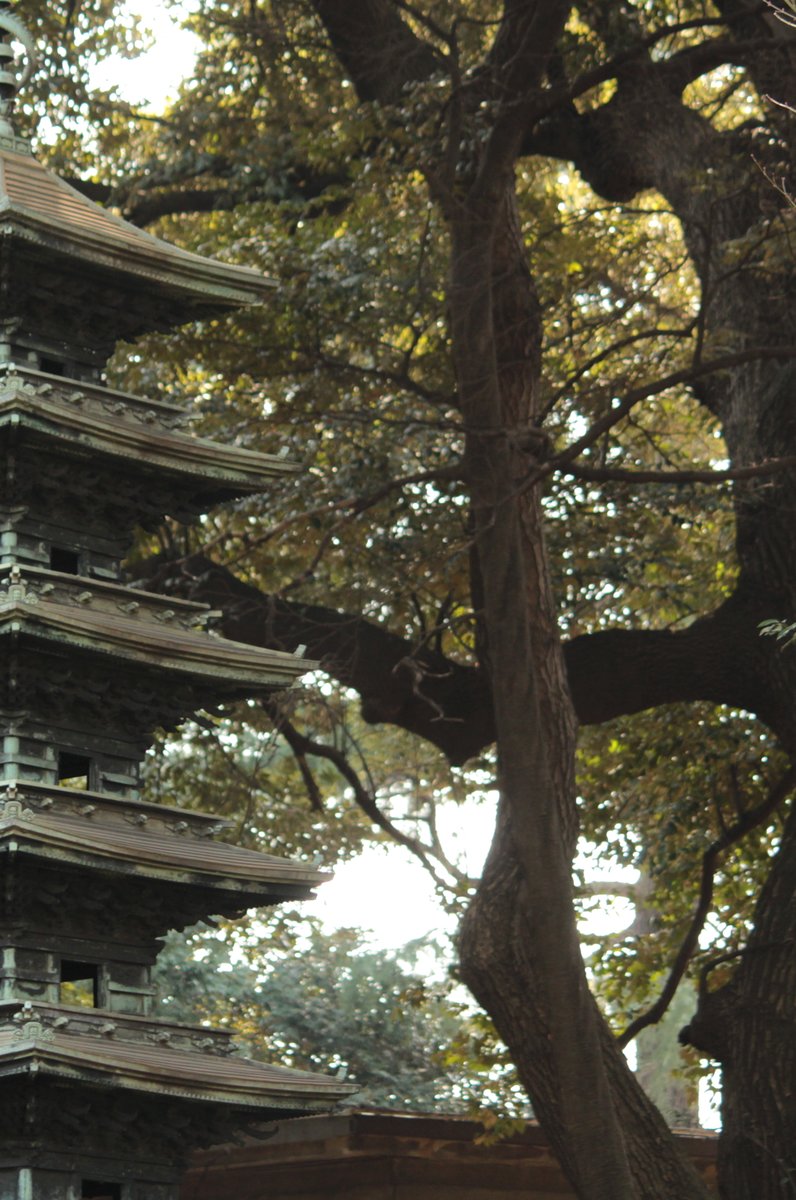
x: 396, y: 1156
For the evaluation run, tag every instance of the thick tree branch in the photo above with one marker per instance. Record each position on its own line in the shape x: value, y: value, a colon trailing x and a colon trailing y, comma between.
x: 377, y: 48
x: 380, y: 65
x: 515, y: 66
x: 142, y: 203
x: 678, y: 71
x: 414, y: 687
x: 611, y: 673
x: 690, y: 64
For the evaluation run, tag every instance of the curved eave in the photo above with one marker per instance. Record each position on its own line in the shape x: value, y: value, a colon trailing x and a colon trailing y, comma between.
x: 40, y: 208
x: 233, y: 467
x: 194, y: 655
x: 175, y: 858
x: 191, y: 1076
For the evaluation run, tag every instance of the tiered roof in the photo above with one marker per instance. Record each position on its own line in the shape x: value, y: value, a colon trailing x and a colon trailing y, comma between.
x: 40, y: 1042
x: 88, y: 668
x: 132, y: 630
x: 98, y: 833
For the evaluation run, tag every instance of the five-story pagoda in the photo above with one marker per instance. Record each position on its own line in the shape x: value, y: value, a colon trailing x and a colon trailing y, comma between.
x: 98, y: 1098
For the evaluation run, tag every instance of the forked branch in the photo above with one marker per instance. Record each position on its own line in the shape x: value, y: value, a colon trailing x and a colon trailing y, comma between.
x: 305, y: 747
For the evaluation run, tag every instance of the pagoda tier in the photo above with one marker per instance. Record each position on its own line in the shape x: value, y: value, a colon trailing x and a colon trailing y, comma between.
x: 65, y: 1043
x: 82, y: 1093
x: 76, y: 279
x: 91, y: 463
x: 152, y: 868
x: 59, y: 634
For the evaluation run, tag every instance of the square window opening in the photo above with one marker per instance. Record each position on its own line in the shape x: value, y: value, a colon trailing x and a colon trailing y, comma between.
x: 74, y: 770
x: 53, y: 366
x: 79, y: 988
x: 65, y: 561
x: 94, y: 1189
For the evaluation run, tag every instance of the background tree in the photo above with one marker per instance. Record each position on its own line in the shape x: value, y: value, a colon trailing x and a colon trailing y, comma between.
x: 320, y: 1002
x: 428, y: 183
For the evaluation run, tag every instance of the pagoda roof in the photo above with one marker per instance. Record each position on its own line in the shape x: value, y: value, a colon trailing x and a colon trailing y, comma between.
x: 36, y: 1049
x: 89, y: 839
x: 101, y: 422
x: 91, y: 1021
x: 105, y: 595
x: 39, y: 208
x: 230, y: 667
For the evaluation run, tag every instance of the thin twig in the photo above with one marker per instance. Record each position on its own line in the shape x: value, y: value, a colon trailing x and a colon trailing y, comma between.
x: 732, y: 834
x: 645, y: 391
x: 620, y: 475
x: 305, y: 746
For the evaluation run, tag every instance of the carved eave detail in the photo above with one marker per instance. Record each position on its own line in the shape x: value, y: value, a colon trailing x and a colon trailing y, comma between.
x: 38, y: 585
x: 121, y: 811
x: 93, y: 398
x: 42, y: 1050
x: 122, y: 1027
x: 73, y: 414
x: 231, y: 666
x: 88, y: 841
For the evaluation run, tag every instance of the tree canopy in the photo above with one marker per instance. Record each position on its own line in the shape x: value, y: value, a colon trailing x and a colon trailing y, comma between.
x: 532, y: 338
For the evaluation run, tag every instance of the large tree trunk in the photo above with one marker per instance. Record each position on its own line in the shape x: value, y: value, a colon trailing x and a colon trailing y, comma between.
x: 520, y: 950
x: 757, y: 1153
x: 499, y: 966
x: 749, y: 1025
x: 753, y: 1019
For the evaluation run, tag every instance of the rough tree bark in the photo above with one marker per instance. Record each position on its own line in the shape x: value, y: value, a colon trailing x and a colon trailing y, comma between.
x: 519, y: 946
x: 496, y: 343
